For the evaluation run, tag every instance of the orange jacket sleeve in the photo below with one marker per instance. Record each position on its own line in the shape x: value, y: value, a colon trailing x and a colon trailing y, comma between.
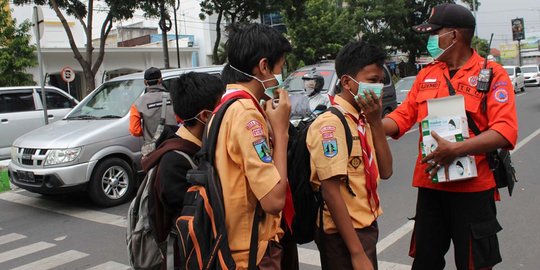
x: 135, y: 127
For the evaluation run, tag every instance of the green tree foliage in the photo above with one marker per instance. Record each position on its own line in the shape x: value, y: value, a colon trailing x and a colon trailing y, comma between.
x: 116, y: 11
x: 317, y: 29
x: 16, y: 53
x: 481, y: 46
x: 232, y: 11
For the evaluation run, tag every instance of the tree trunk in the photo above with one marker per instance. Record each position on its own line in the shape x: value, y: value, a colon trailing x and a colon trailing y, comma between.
x: 215, y: 56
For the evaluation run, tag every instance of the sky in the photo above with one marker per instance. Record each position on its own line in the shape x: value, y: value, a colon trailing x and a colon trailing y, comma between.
x: 494, y: 16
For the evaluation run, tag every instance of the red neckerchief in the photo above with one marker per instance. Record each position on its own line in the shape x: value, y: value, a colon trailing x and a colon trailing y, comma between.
x: 288, y: 210
x: 370, y: 167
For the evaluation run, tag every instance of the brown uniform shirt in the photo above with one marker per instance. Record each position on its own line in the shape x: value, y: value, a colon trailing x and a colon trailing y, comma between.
x: 247, y: 172
x: 329, y: 158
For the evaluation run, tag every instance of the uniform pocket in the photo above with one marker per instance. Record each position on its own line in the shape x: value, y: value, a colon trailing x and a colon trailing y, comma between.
x: 485, y: 244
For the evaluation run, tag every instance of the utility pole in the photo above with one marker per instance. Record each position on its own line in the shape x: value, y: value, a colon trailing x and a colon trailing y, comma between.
x: 164, y: 29
x: 474, y: 12
x: 176, y: 8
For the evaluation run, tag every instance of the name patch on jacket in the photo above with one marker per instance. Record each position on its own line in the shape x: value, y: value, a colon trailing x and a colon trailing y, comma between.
x: 429, y: 86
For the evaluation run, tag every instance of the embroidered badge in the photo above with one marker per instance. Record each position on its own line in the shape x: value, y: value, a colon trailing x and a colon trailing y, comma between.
x: 330, y: 148
x: 427, y: 80
x: 253, y: 123
x: 327, y: 132
x: 501, y: 95
x: 473, y: 80
x: 498, y: 84
x: 258, y: 132
x: 355, y: 162
x: 263, y: 151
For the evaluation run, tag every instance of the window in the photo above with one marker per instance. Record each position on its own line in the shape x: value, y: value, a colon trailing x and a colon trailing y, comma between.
x: 56, y: 100
x: 17, y: 101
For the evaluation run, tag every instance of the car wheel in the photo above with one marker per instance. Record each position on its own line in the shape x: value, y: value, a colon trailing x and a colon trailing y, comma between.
x: 112, y: 182
x: 523, y: 88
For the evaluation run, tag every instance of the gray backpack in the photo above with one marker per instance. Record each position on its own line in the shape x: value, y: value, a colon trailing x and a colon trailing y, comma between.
x: 144, y: 251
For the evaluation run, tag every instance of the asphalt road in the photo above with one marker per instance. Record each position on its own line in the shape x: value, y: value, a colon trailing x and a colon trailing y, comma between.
x: 67, y: 232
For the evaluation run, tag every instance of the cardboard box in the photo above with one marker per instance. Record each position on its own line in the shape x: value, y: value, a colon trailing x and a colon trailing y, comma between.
x: 460, y: 169
x: 446, y: 125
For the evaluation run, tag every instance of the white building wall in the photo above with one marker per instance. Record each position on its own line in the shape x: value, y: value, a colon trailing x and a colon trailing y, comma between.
x: 55, y: 37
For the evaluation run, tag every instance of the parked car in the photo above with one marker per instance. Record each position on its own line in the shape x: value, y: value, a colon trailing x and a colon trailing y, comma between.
x: 91, y: 149
x: 518, y: 80
x: 403, y: 86
x: 326, y: 69
x: 21, y: 111
x: 531, y: 74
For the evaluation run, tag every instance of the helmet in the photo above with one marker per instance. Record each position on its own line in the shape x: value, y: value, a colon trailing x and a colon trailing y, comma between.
x: 319, y: 80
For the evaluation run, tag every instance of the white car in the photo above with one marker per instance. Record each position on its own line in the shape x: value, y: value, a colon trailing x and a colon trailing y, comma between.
x: 518, y: 80
x: 532, y: 75
x: 21, y: 111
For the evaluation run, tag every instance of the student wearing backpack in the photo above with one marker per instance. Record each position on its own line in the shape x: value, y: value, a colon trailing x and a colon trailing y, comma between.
x: 348, y: 183
x: 251, y: 150
x: 194, y: 98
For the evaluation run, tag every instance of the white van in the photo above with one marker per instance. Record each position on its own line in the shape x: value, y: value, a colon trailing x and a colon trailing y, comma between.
x: 21, y: 111
x: 91, y: 149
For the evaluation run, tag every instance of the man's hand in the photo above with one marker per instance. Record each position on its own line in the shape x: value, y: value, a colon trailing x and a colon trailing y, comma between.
x: 361, y: 262
x: 445, y: 154
x: 279, y: 116
x: 370, y: 106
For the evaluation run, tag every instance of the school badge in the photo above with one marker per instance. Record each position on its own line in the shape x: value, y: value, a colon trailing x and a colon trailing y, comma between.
x: 330, y: 148
x: 263, y: 151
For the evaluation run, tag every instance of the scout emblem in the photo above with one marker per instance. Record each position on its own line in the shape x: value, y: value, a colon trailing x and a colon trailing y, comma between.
x: 355, y: 162
x: 263, y: 151
x: 330, y: 148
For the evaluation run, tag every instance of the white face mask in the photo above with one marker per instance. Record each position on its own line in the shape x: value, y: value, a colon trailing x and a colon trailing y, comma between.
x: 196, y: 117
x: 309, y: 90
x: 269, y: 91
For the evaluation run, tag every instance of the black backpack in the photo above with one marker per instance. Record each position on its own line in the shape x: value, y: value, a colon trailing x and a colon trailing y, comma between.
x: 307, y: 202
x: 203, y: 241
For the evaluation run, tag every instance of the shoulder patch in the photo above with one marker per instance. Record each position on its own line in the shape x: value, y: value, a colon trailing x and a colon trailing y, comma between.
x: 252, y: 124
x: 498, y: 84
x: 263, y: 151
x: 501, y: 95
x: 330, y: 147
x: 327, y: 132
x: 473, y: 81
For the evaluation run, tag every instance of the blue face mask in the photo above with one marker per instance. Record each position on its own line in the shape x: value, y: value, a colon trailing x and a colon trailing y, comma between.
x: 433, y: 46
x: 269, y: 91
x: 364, y: 88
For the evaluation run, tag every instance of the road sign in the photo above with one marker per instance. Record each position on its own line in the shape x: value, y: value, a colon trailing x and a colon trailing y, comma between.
x: 67, y: 74
x: 518, y: 29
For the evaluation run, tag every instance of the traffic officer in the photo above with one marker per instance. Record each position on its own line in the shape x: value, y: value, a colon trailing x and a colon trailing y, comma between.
x: 145, y: 113
x: 462, y: 211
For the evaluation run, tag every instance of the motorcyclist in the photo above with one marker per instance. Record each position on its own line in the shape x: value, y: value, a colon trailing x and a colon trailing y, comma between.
x: 313, y: 85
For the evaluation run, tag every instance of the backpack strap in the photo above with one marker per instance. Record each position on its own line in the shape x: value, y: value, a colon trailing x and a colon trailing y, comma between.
x: 348, y: 136
x: 187, y: 157
x: 208, y: 151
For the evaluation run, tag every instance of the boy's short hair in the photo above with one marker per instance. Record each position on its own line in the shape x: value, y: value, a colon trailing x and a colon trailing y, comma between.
x: 356, y: 55
x: 194, y: 92
x: 247, y: 44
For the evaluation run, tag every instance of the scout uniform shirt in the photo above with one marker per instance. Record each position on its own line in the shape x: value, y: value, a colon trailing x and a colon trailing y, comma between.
x: 329, y: 157
x: 500, y: 114
x: 247, y: 173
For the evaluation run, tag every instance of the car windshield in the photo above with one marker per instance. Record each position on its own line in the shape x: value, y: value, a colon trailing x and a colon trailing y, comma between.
x: 405, y: 83
x: 295, y: 83
x: 111, y: 100
x: 510, y: 71
x: 529, y: 69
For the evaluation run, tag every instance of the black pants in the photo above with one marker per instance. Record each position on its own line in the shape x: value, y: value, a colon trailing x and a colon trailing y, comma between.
x: 466, y: 218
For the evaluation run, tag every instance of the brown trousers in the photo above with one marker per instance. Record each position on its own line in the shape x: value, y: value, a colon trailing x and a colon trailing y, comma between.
x: 335, y: 254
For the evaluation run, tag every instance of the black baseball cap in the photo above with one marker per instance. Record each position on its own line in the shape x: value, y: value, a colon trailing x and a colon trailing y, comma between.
x: 447, y: 15
x: 152, y: 74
